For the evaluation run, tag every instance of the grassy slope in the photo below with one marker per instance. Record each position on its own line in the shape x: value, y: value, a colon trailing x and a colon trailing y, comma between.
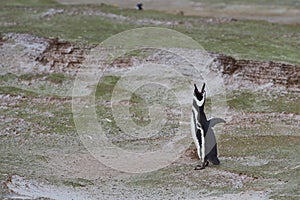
x: 242, y: 39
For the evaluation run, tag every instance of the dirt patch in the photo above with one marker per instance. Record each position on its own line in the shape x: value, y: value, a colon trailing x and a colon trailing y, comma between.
x: 51, y: 13
x: 31, y: 189
x: 39, y: 55
x: 22, y: 188
x: 62, y: 56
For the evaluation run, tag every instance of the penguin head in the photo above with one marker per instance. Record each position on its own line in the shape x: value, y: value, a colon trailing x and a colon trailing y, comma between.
x: 199, y: 94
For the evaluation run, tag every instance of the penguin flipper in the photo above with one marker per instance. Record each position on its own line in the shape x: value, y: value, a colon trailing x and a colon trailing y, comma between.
x: 213, y: 121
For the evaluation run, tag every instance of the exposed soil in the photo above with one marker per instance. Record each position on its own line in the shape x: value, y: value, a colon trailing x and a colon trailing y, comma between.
x: 62, y: 54
x: 40, y: 55
x: 259, y: 74
x: 65, y: 57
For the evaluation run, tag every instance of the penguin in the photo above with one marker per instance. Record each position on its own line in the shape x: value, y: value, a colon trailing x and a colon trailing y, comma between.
x: 139, y: 6
x: 202, y: 132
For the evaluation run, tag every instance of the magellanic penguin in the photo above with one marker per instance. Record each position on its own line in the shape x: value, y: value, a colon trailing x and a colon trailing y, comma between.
x: 139, y: 6
x: 202, y: 131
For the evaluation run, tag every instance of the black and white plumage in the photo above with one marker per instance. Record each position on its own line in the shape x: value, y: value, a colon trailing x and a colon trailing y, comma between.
x: 139, y: 6
x: 202, y: 132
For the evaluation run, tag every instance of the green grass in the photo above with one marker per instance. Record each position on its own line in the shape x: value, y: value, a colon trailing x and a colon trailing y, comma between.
x: 290, y: 3
x: 135, y: 14
x: 264, y: 146
x: 58, y: 121
x: 140, y: 110
x: 28, y: 76
x: 248, y: 101
x: 77, y: 182
x: 57, y: 78
x: 138, y: 106
x: 14, y: 91
x: 256, y: 40
x: 242, y: 39
x: 28, y: 3
x: 104, y: 93
x: 73, y: 28
x: 35, y: 85
x: 279, y: 151
x: 45, y: 118
x: 106, y: 86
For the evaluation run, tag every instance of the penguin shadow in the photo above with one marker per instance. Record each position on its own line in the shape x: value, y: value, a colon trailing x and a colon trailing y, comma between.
x: 192, y: 155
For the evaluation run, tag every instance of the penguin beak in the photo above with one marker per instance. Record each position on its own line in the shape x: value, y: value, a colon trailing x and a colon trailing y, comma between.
x: 196, y: 89
x: 198, y: 95
x: 202, y: 90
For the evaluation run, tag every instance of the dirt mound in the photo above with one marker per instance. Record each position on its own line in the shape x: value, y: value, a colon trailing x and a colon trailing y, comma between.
x: 66, y: 57
x: 51, y: 55
x: 39, y: 55
x: 62, y: 56
x: 266, y: 74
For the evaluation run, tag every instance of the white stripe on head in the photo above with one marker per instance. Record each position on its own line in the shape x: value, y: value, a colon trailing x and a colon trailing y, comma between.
x: 200, y: 103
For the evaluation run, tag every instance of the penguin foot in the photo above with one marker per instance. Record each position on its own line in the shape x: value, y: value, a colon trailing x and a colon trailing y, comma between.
x: 200, y: 167
x: 206, y: 163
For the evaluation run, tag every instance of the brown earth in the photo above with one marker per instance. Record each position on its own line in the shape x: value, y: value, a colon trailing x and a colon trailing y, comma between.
x: 260, y: 73
x: 67, y: 57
